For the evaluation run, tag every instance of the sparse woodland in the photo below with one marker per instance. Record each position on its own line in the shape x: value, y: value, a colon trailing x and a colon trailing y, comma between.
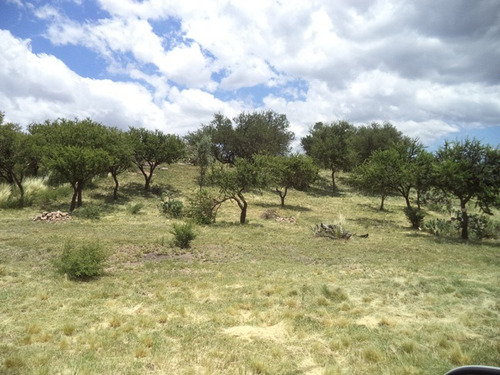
x: 368, y: 254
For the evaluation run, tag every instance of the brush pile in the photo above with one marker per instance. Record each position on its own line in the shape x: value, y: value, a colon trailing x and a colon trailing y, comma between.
x: 333, y: 231
x: 52, y: 216
x: 272, y: 214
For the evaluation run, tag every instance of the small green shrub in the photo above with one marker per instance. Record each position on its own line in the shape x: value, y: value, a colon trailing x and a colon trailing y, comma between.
x: 440, y: 227
x: 482, y: 227
x: 134, y: 209
x: 201, y: 208
x: 82, y: 262
x: 171, y: 207
x: 183, y: 235
x: 88, y: 212
x: 415, y: 216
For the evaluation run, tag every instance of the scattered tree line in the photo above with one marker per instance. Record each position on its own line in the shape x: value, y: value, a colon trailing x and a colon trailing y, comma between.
x: 252, y: 151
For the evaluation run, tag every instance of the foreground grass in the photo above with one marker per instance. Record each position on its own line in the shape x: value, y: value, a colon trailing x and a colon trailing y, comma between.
x: 263, y: 298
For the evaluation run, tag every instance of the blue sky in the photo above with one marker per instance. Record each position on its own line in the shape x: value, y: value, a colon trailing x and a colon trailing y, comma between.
x: 429, y: 68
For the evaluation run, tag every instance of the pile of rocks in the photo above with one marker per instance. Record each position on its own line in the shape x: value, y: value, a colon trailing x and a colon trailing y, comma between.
x: 52, y: 216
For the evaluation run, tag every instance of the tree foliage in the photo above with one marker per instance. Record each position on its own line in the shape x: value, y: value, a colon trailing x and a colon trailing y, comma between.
x: 74, y: 151
x: 257, y: 133
x: 152, y: 148
x: 374, y: 137
x: 469, y: 170
x: 286, y: 172
x: 16, y: 155
x: 120, y: 150
x: 331, y: 146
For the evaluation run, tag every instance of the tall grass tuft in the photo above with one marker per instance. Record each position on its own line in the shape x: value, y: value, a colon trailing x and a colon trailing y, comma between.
x: 82, y: 262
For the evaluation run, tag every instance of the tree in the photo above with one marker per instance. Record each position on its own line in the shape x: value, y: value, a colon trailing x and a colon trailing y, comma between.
x: 152, y: 148
x: 120, y: 152
x: 233, y: 180
x: 74, y: 151
x: 258, y: 133
x: 286, y: 172
x: 331, y: 146
x: 469, y: 170
x: 16, y: 155
x: 374, y: 137
x: 200, y: 153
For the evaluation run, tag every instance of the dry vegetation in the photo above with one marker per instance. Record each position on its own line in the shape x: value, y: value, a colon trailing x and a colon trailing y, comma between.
x: 264, y: 298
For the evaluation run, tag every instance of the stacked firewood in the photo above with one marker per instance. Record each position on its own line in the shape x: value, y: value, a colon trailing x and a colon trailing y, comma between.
x: 52, y: 216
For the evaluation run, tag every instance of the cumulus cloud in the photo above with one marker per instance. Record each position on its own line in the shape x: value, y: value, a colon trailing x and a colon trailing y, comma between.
x: 430, y: 69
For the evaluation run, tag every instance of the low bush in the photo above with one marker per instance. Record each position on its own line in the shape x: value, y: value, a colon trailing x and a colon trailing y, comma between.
x: 82, y: 262
x: 171, y: 207
x: 88, y: 212
x: 415, y: 216
x: 183, y: 235
x: 134, y: 209
x: 201, y: 208
x: 441, y: 227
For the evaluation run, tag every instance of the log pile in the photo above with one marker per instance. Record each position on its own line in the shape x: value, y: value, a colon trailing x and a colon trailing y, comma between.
x: 52, y: 216
x: 272, y: 214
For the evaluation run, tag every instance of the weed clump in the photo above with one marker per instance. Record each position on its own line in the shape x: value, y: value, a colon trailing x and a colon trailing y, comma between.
x: 183, y: 235
x: 202, y: 208
x: 89, y: 212
x: 415, y: 216
x: 82, y: 262
x: 171, y: 207
x: 135, y: 209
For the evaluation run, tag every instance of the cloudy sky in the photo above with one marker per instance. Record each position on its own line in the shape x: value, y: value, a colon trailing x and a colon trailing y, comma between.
x: 431, y: 68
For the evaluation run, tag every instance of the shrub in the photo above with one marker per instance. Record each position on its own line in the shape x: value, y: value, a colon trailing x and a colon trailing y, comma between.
x: 201, y: 208
x: 440, y: 227
x: 183, y: 235
x: 415, y: 216
x: 82, y: 262
x: 134, y: 209
x: 482, y: 227
x: 171, y: 207
x: 88, y: 212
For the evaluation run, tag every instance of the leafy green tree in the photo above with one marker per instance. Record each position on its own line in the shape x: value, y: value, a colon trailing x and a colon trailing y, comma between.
x: 234, y: 180
x: 74, y: 152
x: 152, y: 148
x: 119, y: 147
x: 331, y: 146
x: 374, y: 137
x: 16, y: 155
x: 199, y: 146
x: 258, y: 133
x: 286, y: 172
x: 469, y: 171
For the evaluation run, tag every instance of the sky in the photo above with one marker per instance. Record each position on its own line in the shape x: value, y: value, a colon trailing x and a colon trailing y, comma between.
x: 430, y: 68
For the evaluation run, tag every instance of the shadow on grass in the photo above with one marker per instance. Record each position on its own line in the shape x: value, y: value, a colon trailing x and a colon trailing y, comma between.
x: 229, y: 224
x: 368, y: 221
x: 495, y: 244
x: 278, y: 206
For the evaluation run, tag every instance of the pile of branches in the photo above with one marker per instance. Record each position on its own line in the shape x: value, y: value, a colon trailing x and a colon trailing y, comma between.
x: 333, y: 231
x: 52, y: 216
x: 272, y: 214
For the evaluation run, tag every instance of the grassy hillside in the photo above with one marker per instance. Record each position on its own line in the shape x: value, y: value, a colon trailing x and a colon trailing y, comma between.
x: 264, y: 298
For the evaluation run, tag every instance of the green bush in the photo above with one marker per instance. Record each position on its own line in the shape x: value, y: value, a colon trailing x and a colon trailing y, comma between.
x: 415, y: 216
x: 171, y: 207
x: 88, y: 212
x: 183, y: 235
x: 440, y: 227
x: 201, y: 208
x: 134, y: 209
x: 82, y: 262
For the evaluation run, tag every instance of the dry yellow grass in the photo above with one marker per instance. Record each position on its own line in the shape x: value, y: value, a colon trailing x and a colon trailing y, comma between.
x: 264, y: 298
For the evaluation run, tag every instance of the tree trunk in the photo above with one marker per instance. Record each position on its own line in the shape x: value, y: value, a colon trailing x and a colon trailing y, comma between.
x: 407, y: 199
x: 334, y: 186
x: 73, y: 198
x: 242, y: 203
x: 115, y: 191
x: 19, y: 183
x: 79, y: 188
x: 282, y: 195
x: 382, y: 202
x: 465, y: 221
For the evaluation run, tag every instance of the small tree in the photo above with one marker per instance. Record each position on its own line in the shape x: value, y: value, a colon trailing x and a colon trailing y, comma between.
x: 74, y: 151
x: 16, y: 156
x: 120, y: 152
x: 152, y: 148
x: 469, y: 170
x: 331, y: 146
x: 285, y: 172
x: 235, y: 180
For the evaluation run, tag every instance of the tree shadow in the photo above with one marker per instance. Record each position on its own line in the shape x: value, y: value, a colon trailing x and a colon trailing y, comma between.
x: 230, y: 224
x: 495, y: 244
x: 374, y: 208
x: 277, y: 206
x: 367, y: 221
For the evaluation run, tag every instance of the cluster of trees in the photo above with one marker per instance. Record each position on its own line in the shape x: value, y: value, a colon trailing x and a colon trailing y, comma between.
x: 252, y: 151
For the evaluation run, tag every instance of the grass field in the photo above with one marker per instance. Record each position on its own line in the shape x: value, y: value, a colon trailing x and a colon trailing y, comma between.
x: 263, y: 298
